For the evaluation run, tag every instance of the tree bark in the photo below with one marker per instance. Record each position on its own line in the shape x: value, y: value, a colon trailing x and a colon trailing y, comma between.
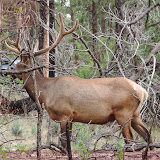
x: 68, y: 142
x: 118, y: 27
x: 119, y: 14
x: 41, y: 30
x: 43, y: 33
x: 1, y: 14
x: 51, y: 26
x: 95, y: 29
x: 39, y: 137
x: 72, y: 20
x: 51, y: 61
x: 46, y: 39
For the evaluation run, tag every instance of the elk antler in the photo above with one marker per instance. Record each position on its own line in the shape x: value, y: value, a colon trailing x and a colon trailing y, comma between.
x: 63, y: 32
x: 16, y: 48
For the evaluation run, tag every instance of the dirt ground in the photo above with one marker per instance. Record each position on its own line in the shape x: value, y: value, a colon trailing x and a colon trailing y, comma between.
x: 98, y: 155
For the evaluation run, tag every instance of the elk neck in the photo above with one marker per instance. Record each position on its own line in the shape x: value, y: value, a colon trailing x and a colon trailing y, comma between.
x: 41, y: 82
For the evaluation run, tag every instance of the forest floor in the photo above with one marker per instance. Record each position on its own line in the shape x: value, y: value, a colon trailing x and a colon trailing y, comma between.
x: 98, y: 155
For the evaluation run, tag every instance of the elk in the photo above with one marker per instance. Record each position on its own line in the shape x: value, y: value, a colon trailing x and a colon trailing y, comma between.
x: 95, y: 101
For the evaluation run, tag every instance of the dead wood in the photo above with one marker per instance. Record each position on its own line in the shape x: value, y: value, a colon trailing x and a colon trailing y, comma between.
x: 144, y: 13
x: 68, y: 142
x: 132, y: 147
x: 141, y: 66
x: 51, y: 146
x: 17, y: 107
x: 19, y: 72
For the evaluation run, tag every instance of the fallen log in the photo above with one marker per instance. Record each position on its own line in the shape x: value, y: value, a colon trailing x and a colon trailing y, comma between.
x: 16, y: 107
x: 131, y: 147
x: 51, y: 146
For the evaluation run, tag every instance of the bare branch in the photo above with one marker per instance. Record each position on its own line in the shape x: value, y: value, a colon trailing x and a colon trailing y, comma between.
x: 19, y: 72
x: 151, y: 25
x: 49, y: 146
x: 154, y: 51
x: 144, y: 13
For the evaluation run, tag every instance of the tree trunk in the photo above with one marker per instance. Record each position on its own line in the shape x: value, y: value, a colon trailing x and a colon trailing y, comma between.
x: 43, y: 33
x: 72, y: 20
x: 46, y: 38
x: 44, y: 14
x: 51, y: 61
x: 118, y: 11
x: 118, y: 27
x: 1, y: 14
x: 51, y: 26
x: 39, y: 133
x: 95, y: 29
x: 41, y: 30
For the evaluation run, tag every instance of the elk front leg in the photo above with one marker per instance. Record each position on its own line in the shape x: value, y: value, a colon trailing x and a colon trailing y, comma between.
x: 63, y: 138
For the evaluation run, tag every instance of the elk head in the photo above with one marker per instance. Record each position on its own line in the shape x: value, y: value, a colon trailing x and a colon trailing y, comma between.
x: 26, y: 57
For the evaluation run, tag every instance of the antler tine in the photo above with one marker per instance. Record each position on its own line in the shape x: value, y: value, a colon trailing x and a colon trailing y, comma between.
x: 36, y: 46
x: 55, y: 36
x: 11, y: 48
x: 17, y: 48
x: 63, y: 32
x: 18, y: 41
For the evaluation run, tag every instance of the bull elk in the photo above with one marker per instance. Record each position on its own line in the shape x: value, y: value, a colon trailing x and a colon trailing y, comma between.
x: 95, y: 101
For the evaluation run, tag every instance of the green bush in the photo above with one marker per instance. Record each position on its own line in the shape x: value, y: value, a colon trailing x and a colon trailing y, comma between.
x: 83, y: 136
x: 16, y: 129
x: 34, y: 129
x: 120, y: 153
x: 84, y: 151
x: 19, y: 147
x: 3, y: 154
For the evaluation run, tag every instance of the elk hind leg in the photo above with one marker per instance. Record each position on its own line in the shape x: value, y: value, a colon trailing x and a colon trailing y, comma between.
x: 125, y: 125
x: 139, y: 127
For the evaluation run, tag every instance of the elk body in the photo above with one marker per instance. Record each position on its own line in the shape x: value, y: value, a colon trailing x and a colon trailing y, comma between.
x: 95, y: 101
